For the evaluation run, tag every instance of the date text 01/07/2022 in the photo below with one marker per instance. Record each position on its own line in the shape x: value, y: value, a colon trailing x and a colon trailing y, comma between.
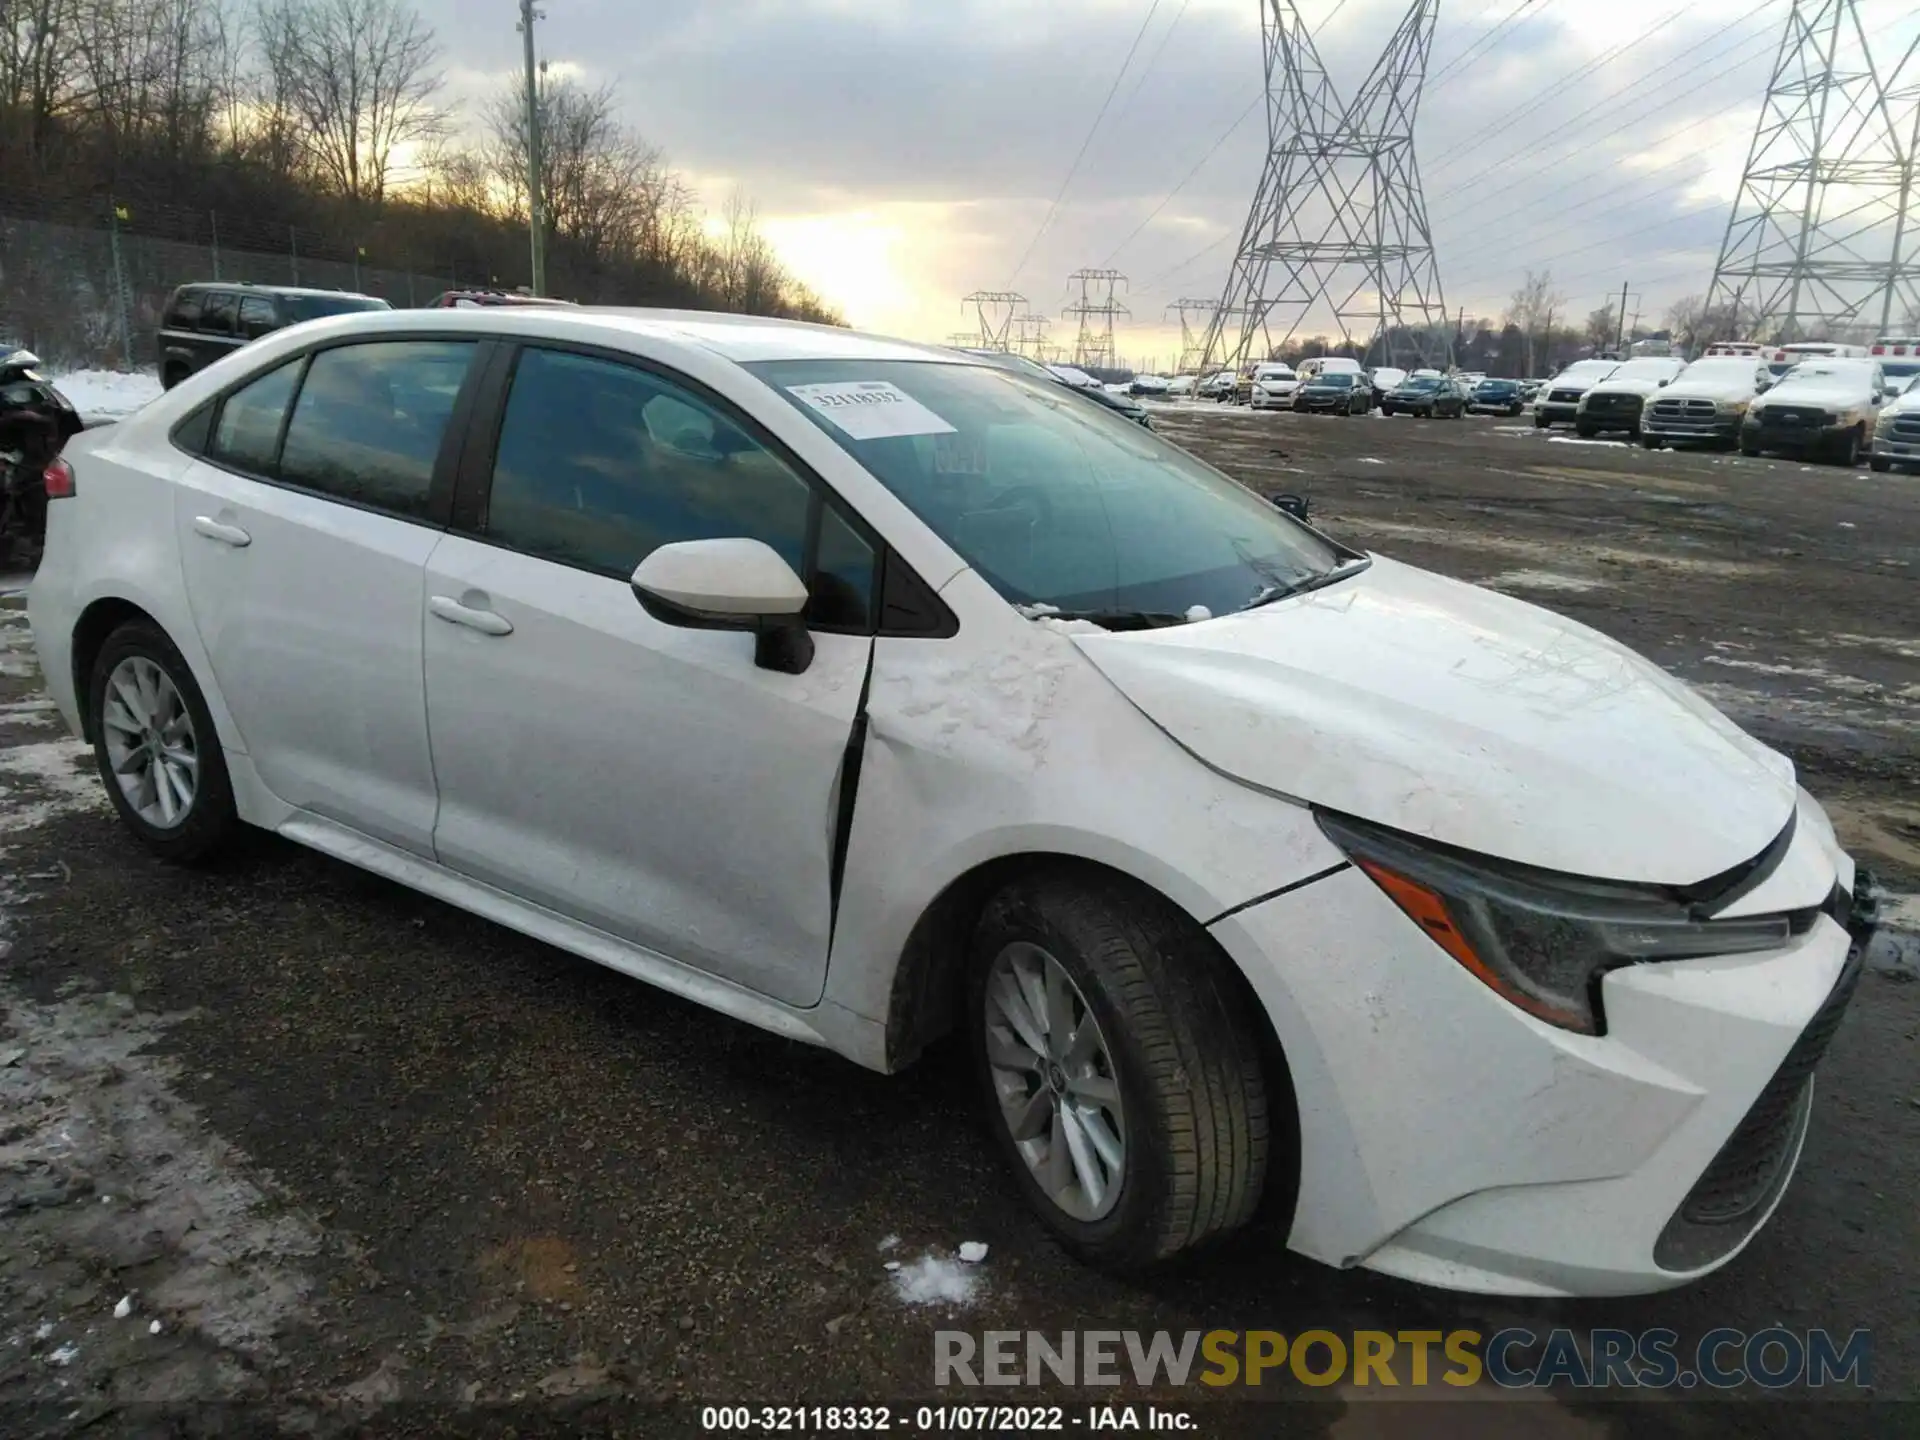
x: 938, y: 1419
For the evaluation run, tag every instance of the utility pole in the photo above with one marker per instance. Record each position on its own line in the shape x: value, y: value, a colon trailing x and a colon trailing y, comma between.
x: 119, y: 282
x: 1621, y: 343
x: 1548, y: 340
x: 536, y: 218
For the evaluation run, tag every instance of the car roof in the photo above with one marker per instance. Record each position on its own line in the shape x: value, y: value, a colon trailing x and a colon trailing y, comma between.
x: 249, y: 287
x: 739, y: 338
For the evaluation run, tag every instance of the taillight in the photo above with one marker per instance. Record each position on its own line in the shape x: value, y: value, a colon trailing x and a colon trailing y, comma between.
x: 59, y: 479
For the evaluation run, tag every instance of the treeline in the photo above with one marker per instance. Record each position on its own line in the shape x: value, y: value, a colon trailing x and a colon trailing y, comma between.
x: 326, y: 126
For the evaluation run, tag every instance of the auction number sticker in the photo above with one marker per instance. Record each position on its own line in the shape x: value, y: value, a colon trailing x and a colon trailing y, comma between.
x: 871, y: 409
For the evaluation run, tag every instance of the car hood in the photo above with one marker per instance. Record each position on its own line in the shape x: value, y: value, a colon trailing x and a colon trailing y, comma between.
x: 1449, y: 711
x: 1835, y: 390
x: 1908, y: 404
x: 1724, y: 390
x: 1642, y: 385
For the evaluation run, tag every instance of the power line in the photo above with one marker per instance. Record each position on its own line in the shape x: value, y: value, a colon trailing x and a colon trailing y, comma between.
x: 1466, y: 57
x: 1213, y: 149
x: 1691, y: 57
x: 1152, y: 60
x: 1092, y: 129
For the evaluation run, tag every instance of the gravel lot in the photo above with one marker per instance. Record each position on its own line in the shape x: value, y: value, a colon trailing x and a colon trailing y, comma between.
x: 358, y: 1160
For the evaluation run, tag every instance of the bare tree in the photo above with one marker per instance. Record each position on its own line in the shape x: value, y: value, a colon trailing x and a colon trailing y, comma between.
x: 1532, y: 306
x: 1603, y: 327
x: 361, y: 76
x: 601, y: 185
x: 37, y: 42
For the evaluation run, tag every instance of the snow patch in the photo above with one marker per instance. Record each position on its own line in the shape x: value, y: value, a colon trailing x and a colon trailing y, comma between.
x: 1369, y: 460
x: 1069, y: 627
x: 972, y: 1252
x: 935, y: 1280
x: 1540, y: 580
x: 43, y: 782
x: 1576, y: 440
x: 103, y: 395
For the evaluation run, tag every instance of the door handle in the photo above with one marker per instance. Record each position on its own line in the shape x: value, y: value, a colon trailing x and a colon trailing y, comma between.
x: 454, y: 613
x: 226, y: 534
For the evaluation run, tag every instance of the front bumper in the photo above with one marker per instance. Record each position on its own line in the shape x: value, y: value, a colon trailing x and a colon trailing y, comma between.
x: 1793, y: 436
x: 1716, y: 428
x: 1448, y: 1138
x: 1609, y: 414
x: 1897, y: 447
x: 1556, y: 412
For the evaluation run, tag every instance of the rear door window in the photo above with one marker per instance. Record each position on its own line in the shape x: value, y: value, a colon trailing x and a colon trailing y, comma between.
x: 184, y: 314
x: 217, y: 315
x: 248, y: 435
x: 369, y: 422
x: 257, y: 317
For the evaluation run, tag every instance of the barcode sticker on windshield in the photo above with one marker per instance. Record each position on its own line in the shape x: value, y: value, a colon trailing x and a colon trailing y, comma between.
x: 871, y: 409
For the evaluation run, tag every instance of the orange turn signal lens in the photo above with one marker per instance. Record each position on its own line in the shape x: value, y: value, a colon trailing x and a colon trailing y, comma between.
x: 1427, y: 908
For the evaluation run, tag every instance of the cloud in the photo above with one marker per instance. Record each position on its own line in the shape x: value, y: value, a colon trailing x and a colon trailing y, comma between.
x: 903, y: 153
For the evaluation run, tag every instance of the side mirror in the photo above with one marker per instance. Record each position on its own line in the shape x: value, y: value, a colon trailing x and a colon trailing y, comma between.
x: 1665, y: 383
x: 1294, y: 505
x: 733, y: 584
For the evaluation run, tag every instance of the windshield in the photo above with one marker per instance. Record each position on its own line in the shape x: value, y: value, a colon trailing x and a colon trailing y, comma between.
x: 1830, y: 369
x: 1901, y: 370
x: 1052, y: 501
x: 312, y: 307
x: 1588, y: 370
x: 1496, y: 385
x: 1723, y: 368
x: 1421, y: 382
x: 1339, y: 381
x: 1650, y: 368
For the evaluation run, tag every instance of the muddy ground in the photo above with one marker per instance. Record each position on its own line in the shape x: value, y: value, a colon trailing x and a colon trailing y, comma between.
x: 349, y: 1160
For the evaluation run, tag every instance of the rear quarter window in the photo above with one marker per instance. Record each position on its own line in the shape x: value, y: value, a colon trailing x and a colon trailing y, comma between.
x: 184, y: 313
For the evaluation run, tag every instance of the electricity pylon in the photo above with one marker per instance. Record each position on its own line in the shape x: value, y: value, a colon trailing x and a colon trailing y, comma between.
x: 1338, y: 217
x: 1030, y: 335
x: 1824, y: 236
x: 996, y: 310
x: 1191, y: 340
x: 1096, y: 309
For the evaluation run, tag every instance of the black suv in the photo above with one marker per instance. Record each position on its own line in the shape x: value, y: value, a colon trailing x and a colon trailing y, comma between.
x: 209, y: 319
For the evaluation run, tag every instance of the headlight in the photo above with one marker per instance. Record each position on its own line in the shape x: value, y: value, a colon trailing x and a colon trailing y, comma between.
x: 1539, y: 939
x: 1733, y: 407
x: 1885, y: 422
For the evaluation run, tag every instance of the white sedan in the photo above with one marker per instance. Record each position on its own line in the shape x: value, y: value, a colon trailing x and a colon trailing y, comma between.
x: 867, y: 694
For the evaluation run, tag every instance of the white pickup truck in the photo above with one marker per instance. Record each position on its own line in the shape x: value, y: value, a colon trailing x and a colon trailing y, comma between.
x: 1827, y: 407
x: 1896, y: 434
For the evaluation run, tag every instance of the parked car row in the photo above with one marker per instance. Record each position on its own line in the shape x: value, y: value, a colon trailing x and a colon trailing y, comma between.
x: 1826, y: 404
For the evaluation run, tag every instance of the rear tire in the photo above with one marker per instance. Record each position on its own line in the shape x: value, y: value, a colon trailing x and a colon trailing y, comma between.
x: 1168, y: 1076
x: 1750, y: 451
x: 153, y: 737
x: 1649, y: 442
x: 173, y: 375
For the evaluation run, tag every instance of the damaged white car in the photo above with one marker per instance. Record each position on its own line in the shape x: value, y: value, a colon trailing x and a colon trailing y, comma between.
x: 869, y: 694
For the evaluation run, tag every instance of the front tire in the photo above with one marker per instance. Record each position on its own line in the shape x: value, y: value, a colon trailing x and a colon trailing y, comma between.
x: 1121, y: 1081
x: 155, y: 745
x: 1540, y: 422
x: 1879, y: 464
x: 1649, y: 442
x: 1847, y: 452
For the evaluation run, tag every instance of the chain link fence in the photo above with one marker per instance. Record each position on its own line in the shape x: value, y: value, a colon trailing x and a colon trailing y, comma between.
x: 80, y: 296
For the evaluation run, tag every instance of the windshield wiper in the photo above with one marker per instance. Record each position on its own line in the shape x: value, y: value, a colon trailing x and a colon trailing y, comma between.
x: 1313, y: 582
x: 1118, y: 619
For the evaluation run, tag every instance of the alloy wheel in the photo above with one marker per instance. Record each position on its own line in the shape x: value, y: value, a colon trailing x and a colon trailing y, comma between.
x: 1053, y: 1076
x: 151, y: 744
